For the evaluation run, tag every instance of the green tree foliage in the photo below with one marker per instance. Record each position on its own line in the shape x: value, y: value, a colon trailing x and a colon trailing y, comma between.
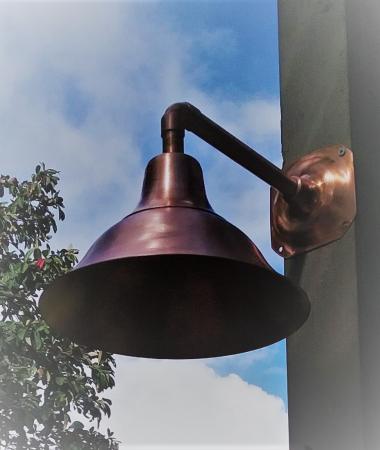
x: 43, y: 377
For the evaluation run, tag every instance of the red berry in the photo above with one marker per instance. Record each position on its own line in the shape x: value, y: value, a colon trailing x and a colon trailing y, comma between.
x: 40, y: 263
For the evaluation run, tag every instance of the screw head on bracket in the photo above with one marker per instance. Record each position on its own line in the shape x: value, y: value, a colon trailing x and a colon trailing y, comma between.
x: 342, y: 151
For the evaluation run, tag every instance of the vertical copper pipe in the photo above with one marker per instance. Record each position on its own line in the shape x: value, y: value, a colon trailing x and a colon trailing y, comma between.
x: 172, y: 141
x: 173, y: 125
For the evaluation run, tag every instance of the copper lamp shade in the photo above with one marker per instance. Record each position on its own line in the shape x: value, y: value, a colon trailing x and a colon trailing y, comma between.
x: 174, y: 279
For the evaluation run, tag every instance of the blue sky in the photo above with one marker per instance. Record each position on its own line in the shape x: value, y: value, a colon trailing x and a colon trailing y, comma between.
x: 83, y: 89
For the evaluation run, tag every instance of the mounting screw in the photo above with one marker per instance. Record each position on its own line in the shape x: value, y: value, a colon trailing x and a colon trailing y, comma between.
x: 342, y: 151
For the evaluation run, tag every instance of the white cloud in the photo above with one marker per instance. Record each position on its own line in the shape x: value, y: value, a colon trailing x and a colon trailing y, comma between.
x: 187, y: 403
x: 243, y: 360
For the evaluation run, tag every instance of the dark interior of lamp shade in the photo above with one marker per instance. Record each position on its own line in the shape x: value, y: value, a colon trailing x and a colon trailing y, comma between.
x: 174, y: 306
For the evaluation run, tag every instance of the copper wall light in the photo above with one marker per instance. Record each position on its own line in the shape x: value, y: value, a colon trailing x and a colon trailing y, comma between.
x: 173, y: 279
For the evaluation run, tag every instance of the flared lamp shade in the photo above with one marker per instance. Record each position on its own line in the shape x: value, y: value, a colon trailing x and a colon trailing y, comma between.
x: 174, y: 279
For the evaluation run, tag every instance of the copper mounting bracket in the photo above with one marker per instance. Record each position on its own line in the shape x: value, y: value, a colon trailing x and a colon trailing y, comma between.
x: 326, y: 215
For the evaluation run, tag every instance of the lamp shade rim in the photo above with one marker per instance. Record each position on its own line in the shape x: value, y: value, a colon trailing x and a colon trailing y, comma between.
x: 70, y: 319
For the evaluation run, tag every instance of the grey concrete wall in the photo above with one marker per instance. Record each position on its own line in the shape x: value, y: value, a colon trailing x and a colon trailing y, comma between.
x: 330, y: 93
x: 363, y: 35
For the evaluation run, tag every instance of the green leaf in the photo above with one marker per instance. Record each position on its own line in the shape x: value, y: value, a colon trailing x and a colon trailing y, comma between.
x: 28, y: 253
x: 21, y: 333
x: 61, y: 214
x: 60, y: 381
x: 37, y: 340
x: 24, y: 267
x: 66, y: 420
x: 77, y: 425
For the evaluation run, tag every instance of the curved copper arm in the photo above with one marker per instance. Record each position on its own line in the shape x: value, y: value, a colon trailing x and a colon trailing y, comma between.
x: 184, y: 116
x: 312, y: 202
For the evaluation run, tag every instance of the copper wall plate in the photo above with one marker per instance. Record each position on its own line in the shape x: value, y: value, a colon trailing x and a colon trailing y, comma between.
x: 329, y: 172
